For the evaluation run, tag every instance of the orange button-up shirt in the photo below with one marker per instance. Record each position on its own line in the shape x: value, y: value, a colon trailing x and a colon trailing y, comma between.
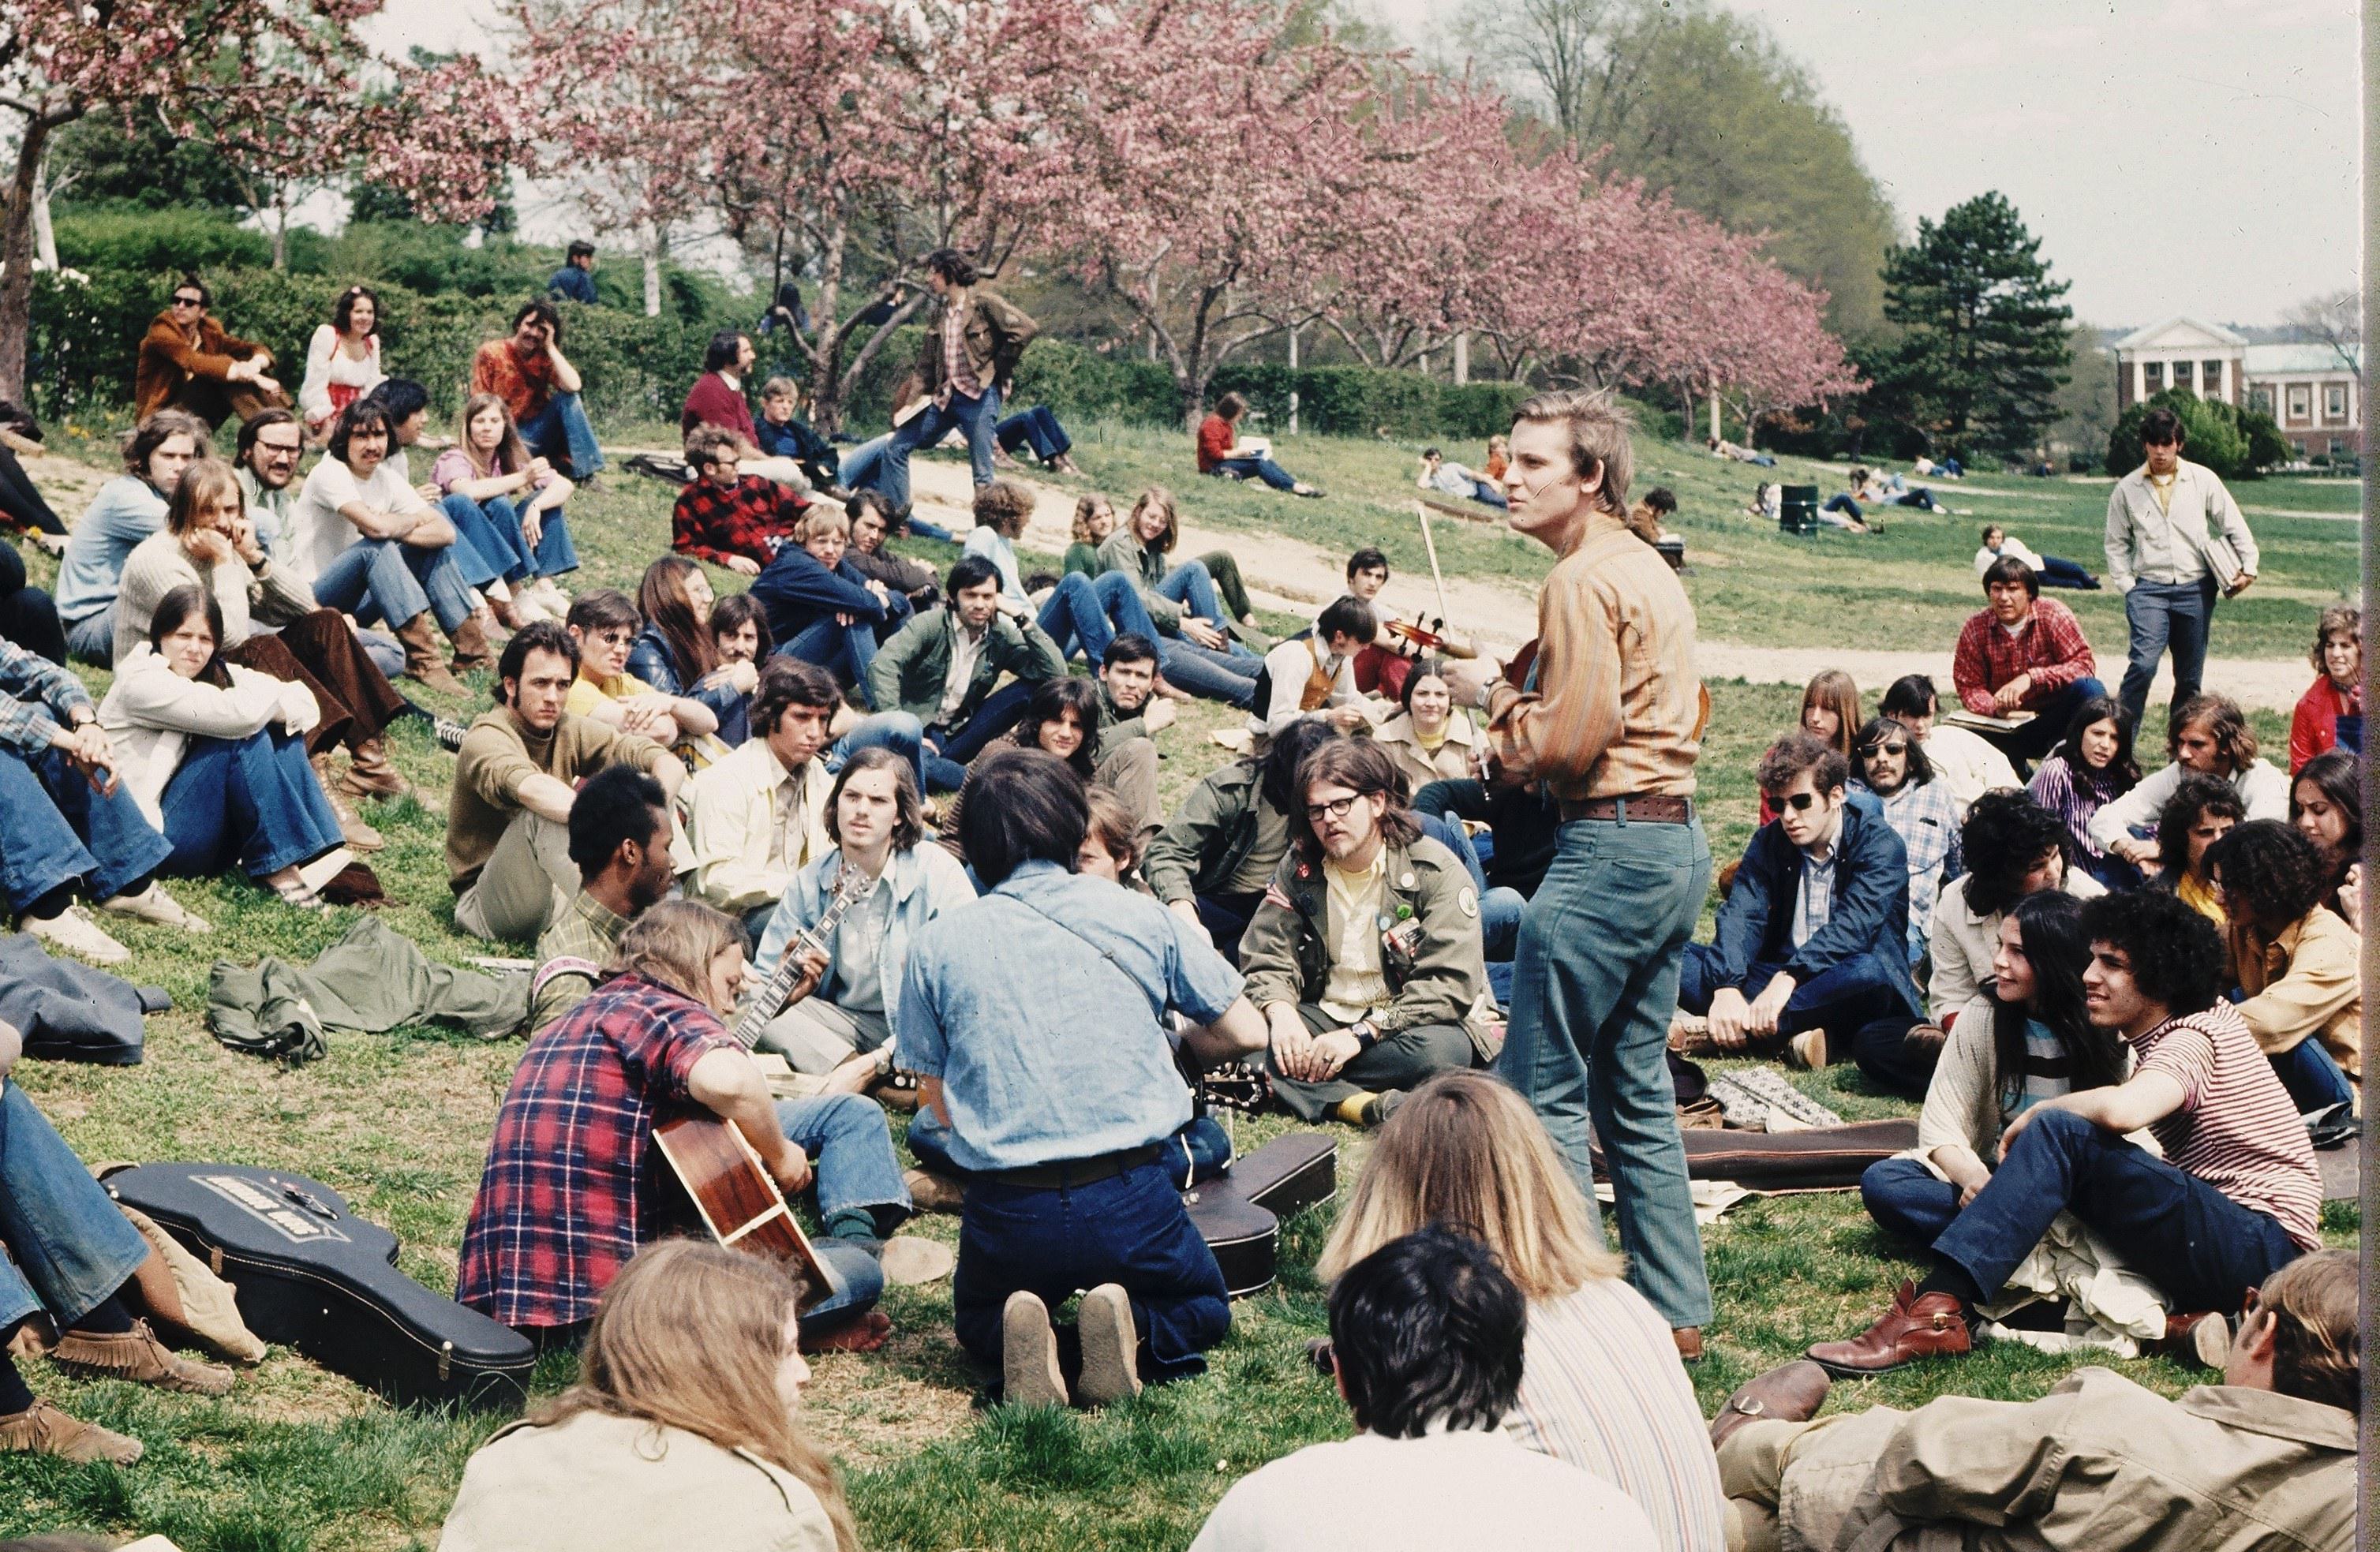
x: 1617, y: 711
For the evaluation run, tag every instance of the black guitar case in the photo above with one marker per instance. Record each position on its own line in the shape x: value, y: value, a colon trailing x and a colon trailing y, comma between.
x: 312, y: 1275
x: 1239, y: 1212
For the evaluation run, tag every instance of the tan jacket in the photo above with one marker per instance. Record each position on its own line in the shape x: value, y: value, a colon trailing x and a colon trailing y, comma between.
x: 1453, y: 761
x: 2305, y: 984
x: 594, y: 1482
x: 2099, y: 1464
x: 996, y: 333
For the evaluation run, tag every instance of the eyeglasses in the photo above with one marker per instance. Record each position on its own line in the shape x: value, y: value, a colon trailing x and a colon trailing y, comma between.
x: 1336, y: 808
x: 289, y: 447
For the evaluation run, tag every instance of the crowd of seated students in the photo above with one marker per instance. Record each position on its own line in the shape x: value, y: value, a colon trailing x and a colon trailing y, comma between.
x: 1048, y: 956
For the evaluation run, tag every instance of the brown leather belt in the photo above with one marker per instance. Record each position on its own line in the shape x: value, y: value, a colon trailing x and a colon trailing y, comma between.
x: 1648, y: 809
x: 1069, y: 1173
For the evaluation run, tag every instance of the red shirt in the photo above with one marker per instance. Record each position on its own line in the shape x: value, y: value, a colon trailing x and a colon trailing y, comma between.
x: 2315, y: 726
x: 571, y: 1189
x: 1215, y: 440
x: 754, y: 518
x: 2050, y: 646
x: 713, y: 402
x: 525, y: 383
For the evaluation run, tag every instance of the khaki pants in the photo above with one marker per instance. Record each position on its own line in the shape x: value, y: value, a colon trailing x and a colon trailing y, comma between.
x: 1827, y: 1463
x: 814, y: 1036
x: 526, y: 884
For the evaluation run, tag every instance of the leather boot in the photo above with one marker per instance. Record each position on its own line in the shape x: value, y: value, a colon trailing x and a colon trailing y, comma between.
x: 371, y: 773
x: 358, y: 835
x: 1918, y: 1326
x: 1790, y: 1394
x: 423, y: 661
x: 43, y: 1429
x: 471, y: 648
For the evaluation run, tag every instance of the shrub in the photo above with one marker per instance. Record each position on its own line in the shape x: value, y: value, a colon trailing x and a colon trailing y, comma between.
x: 145, y: 242
x: 2235, y: 445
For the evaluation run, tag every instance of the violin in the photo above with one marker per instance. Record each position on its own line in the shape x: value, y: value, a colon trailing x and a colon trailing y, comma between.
x: 1425, y: 635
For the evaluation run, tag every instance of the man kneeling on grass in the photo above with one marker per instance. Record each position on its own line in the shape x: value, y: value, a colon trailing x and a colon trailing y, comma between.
x: 2234, y: 1198
x: 2264, y: 1459
x: 1031, y: 1018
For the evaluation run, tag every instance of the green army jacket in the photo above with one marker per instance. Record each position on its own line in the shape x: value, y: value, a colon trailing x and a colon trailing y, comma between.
x: 908, y: 671
x: 1208, y: 835
x: 1285, y: 952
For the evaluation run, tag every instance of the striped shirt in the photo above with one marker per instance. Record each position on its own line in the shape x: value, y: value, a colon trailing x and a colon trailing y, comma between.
x: 1616, y: 711
x: 1602, y: 1389
x: 2074, y: 795
x: 2236, y: 1129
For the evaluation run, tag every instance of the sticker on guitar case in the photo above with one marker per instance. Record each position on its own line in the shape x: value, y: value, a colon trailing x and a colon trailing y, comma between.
x: 289, y: 1219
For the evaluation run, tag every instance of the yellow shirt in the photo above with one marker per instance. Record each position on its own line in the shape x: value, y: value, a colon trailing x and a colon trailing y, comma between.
x: 2163, y: 491
x: 1354, y: 985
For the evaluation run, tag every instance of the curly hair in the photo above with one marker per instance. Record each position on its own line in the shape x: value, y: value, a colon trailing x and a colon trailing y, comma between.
x: 2195, y: 798
x: 2271, y: 874
x: 2176, y: 955
x: 2338, y: 618
x: 1002, y: 506
x: 1795, y: 753
x: 2005, y: 834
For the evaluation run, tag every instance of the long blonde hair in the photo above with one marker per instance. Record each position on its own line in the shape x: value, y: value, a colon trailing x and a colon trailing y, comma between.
x: 511, y: 454
x: 1466, y: 1151
x: 1161, y: 498
x: 675, y: 944
x: 691, y: 1336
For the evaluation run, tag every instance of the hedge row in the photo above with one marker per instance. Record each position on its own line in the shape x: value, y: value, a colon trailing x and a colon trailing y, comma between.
x: 87, y: 329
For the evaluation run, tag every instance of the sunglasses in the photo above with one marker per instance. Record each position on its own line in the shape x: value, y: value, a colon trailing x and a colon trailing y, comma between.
x: 1883, y: 749
x: 189, y: 302
x: 1800, y: 802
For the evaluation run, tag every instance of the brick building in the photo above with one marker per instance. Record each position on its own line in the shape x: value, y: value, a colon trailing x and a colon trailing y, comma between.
x: 2312, y: 393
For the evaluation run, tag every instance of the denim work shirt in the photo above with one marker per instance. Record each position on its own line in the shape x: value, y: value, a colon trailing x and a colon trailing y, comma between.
x: 1044, y: 1051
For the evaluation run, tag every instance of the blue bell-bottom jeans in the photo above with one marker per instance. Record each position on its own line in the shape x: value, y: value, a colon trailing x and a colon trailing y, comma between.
x: 254, y: 801
x: 55, y: 830
x: 69, y: 1246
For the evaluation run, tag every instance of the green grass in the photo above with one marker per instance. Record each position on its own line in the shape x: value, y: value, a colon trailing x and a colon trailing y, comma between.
x: 297, y: 1459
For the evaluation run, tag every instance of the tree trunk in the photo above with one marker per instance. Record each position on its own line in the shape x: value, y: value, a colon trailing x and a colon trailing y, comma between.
x: 45, y: 240
x: 16, y: 257
x: 655, y: 246
x: 280, y: 236
x: 1462, y: 358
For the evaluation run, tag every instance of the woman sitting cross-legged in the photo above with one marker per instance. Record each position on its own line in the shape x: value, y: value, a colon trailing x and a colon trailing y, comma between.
x: 215, y: 754
x: 509, y: 505
x: 210, y: 542
x: 677, y: 654
x: 1601, y: 1384
x: 685, y: 1427
x: 843, y: 1028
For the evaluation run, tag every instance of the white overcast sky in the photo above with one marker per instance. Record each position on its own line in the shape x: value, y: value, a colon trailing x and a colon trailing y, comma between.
x: 2174, y: 156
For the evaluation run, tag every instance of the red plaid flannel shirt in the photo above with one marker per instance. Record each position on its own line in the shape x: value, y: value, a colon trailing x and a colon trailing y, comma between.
x: 754, y: 518
x: 570, y: 1190
x: 2051, y: 648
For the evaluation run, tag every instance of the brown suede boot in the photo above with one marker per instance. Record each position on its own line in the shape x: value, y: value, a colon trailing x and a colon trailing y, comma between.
x: 43, y: 1429
x: 371, y: 773
x: 423, y: 660
x: 138, y: 1356
x: 471, y: 648
x: 358, y: 835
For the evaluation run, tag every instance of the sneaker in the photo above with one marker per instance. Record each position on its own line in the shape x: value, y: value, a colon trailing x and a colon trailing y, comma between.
x: 43, y: 1429
x: 138, y: 1356
x: 449, y: 733
x: 1028, y: 1354
x: 1110, y: 1347
x: 153, y: 904
x: 78, y: 935
x: 1807, y: 1049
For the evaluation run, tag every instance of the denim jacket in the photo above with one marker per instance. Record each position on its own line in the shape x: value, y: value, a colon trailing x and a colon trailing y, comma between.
x: 927, y: 881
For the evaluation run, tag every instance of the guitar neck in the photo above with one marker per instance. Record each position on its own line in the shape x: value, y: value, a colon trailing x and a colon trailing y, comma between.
x: 851, y: 887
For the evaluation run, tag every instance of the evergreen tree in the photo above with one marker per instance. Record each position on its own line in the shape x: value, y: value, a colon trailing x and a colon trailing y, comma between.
x: 1984, y: 346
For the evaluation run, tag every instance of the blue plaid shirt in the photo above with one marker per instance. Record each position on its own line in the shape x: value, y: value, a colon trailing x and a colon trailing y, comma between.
x: 36, y: 696
x: 1926, y: 820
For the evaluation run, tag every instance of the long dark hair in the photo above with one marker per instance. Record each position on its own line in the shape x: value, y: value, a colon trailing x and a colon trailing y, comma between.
x: 2335, y: 775
x: 1053, y: 698
x: 728, y: 614
x: 1872, y: 737
x: 1363, y: 767
x: 177, y: 606
x: 2049, y: 925
x: 662, y: 599
x: 2123, y: 772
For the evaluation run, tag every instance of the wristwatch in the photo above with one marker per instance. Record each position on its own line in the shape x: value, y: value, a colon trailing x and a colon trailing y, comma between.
x: 1366, y: 1036
x: 1487, y: 693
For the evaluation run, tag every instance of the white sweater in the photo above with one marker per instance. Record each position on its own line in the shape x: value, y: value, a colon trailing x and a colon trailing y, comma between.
x: 152, y: 713
x: 2263, y: 790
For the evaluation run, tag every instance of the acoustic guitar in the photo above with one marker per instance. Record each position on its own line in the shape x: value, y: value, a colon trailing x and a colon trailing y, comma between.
x: 731, y: 1189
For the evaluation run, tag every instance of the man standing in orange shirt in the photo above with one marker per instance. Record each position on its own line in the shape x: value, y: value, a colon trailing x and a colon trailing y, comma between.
x: 1609, y: 722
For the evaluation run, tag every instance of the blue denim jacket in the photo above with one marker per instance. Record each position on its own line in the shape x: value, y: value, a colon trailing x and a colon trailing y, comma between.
x: 127, y: 510
x: 1047, y: 1047
x: 927, y: 882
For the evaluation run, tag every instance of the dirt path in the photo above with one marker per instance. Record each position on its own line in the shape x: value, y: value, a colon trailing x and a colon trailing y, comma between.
x: 1293, y: 576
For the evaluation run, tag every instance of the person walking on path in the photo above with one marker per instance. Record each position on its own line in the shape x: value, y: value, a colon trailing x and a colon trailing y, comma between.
x: 1611, y: 720
x: 2174, y: 534
x: 968, y: 366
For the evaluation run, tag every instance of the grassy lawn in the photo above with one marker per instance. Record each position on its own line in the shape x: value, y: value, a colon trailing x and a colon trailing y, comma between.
x: 297, y: 1459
